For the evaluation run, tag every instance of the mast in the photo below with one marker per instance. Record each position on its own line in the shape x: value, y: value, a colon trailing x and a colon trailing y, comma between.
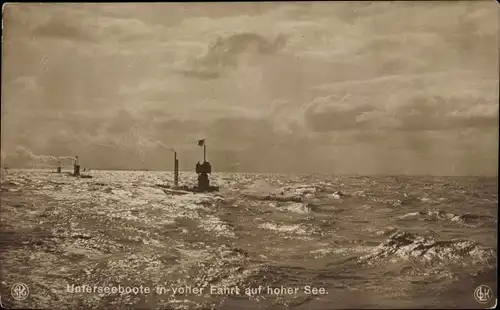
x: 176, y: 170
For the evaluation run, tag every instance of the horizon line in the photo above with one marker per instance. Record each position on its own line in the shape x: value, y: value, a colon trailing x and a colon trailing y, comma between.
x: 291, y: 172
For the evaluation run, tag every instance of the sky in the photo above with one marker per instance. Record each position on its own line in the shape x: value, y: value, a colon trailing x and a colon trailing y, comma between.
x: 317, y: 87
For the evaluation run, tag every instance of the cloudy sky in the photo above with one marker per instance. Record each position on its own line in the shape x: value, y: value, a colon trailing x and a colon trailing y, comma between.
x: 334, y: 87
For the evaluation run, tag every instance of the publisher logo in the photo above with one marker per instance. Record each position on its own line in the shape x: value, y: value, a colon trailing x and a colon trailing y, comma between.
x: 20, y: 291
x: 483, y: 294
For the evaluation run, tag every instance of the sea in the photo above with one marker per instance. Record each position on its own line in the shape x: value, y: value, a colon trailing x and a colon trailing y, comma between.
x: 124, y: 240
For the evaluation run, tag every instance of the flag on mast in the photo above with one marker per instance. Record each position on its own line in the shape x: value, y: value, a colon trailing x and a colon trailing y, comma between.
x: 201, y: 142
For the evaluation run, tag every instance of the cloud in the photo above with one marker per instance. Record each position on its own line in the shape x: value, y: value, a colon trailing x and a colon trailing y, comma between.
x: 61, y: 28
x: 231, y: 52
x: 336, y: 113
x: 224, y: 50
x: 84, y: 24
x: 420, y: 113
x: 438, y: 113
x: 200, y: 74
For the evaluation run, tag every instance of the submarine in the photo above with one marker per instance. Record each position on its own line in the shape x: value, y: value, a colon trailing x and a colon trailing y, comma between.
x: 76, y: 170
x: 202, y: 169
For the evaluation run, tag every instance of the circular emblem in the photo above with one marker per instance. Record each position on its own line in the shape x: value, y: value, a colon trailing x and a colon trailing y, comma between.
x: 20, y: 291
x: 483, y: 294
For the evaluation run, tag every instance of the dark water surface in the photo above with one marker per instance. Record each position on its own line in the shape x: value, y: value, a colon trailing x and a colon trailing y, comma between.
x: 368, y: 242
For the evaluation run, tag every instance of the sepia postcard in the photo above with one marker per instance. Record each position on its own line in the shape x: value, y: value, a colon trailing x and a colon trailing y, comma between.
x: 249, y: 155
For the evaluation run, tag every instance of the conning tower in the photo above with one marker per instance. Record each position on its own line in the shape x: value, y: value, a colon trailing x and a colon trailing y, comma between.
x: 203, y: 169
x: 76, y: 167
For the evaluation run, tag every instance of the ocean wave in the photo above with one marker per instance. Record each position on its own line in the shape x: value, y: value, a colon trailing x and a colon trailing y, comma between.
x: 273, y: 197
x: 403, y: 245
x: 470, y: 220
x: 339, y: 250
x: 297, y: 229
x: 216, y: 226
x: 300, y: 208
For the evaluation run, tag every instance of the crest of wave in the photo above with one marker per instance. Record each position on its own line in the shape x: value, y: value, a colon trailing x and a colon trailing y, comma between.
x: 260, y: 187
x: 408, y: 246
